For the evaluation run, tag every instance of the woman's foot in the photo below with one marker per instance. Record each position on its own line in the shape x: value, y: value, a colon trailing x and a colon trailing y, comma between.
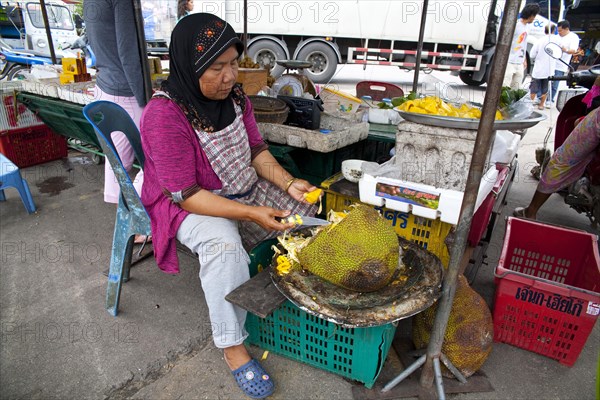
x: 523, y: 212
x: 249, y: 375
x: 236, y: 356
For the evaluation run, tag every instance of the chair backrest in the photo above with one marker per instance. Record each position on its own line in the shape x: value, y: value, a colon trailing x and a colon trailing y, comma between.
x: 378, y: 90
x: 107, y: 117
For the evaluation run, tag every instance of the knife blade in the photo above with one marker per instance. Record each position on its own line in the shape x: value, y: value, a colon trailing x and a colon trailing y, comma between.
x: 304, y: 220
x: 311, y: 221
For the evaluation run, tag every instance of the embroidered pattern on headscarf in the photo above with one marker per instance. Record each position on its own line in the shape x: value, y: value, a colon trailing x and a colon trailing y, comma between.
x: 206, y: 39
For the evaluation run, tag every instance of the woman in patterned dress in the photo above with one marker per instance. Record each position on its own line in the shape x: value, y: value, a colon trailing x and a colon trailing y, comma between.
x: 569, y: 161
x: 210, y: 181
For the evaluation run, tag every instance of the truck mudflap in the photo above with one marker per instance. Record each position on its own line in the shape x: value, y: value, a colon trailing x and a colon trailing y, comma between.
x: 353, y: 52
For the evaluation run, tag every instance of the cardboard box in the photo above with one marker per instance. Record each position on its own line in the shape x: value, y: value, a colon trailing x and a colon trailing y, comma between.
x: 252, y: 80
x: 154, y: 65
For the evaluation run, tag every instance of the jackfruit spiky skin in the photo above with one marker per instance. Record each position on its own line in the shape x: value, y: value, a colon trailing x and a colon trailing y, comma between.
x: 360, y: 253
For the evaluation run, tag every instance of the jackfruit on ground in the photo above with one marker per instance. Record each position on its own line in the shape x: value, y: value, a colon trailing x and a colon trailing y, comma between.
x: 469, y: 335
x: 359, y: 253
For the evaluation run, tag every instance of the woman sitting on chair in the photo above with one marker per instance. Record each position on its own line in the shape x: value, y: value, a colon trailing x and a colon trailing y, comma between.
x: 210, y: 181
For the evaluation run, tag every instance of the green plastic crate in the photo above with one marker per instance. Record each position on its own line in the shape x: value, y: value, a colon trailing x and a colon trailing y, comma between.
x: 355, y: 353
x: 315, y: 167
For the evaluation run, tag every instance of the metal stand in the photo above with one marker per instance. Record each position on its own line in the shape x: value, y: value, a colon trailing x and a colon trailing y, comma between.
x: 411, y: 387
x: 437, y: 370
x: 485, y: 133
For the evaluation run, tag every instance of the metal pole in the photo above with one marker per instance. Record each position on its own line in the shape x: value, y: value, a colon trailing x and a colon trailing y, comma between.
x: 48, y: 32
x: 420, y: 45
x: 550, y: 94
x: 245, y: 36
x: 142, y: 48
x: 485, y: 134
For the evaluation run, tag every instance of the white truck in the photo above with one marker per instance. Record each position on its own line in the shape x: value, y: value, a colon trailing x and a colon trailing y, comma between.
x: 22, y: 26
x: 460, y: 35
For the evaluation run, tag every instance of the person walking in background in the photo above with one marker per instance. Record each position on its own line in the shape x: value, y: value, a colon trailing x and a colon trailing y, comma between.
x: 543, y: 67
x: 569, y: 42
x: 110, y: 27
x: 184, y: 7
x: 517, y: 62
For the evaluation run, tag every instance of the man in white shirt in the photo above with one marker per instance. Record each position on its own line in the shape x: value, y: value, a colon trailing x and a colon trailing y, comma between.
x: 517, y: 62
x: 569, y: 42
x: 543, y: 66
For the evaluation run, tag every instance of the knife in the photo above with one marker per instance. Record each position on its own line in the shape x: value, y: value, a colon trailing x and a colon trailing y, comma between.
x: 304, y: 220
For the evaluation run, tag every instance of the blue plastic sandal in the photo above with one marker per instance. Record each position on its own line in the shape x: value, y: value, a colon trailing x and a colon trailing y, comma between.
x: 254, y: 380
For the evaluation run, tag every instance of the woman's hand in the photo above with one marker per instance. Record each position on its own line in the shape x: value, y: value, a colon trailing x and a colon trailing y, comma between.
x: 266, y: 217
x: 298, y: 188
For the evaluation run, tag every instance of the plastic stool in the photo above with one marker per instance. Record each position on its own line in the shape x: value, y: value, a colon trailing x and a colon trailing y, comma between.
x: 10, y: 176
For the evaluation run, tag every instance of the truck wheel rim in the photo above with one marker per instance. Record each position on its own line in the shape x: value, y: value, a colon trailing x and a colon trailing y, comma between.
x: 265, y: 58
x: 319, y: 62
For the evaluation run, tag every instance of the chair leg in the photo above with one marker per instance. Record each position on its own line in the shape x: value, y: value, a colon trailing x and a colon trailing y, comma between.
x: 2, y: 197
x: 122, y: 247
x: 128, y: 257
x: 26, y: 197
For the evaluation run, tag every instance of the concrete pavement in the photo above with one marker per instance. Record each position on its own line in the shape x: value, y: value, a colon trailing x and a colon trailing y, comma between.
x: 57, y: 341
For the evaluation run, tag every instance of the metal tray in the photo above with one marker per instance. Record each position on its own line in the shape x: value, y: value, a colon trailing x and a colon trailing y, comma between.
x: 470, y: 123
x: 398, y: 300
x: 293, y: 64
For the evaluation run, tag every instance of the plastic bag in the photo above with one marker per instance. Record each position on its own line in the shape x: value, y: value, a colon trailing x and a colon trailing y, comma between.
x: 518, y: 110
x: 515, y: 103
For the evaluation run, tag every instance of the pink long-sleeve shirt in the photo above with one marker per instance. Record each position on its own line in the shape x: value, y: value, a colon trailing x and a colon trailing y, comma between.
x: 176, y: 161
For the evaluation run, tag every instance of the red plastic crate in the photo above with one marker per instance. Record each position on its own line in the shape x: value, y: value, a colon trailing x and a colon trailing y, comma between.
x: 547, y: 289
x: 32, y: 145
x: 14, y: 114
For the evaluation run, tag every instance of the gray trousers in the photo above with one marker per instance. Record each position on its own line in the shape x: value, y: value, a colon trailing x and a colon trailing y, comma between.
x: 223, y: 267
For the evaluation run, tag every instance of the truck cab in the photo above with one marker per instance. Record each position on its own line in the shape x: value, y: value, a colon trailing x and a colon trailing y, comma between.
x: 22, y: 26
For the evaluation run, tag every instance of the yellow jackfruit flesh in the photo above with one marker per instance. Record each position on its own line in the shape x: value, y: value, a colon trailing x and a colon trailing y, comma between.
x: 434, y: 105
x: 313, y: 196
x: 359, y: 253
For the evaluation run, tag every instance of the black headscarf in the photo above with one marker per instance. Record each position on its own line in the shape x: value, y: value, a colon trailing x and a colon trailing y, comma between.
x: 196, y: 42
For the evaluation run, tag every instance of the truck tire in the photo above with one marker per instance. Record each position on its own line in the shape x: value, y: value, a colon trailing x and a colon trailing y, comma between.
x: 467, y: 76
x: 324, y: 61
x: 266, y: 52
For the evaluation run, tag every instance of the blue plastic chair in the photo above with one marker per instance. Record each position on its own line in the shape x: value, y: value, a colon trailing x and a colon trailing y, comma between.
x: 132, y: 218
x: 10, y: 176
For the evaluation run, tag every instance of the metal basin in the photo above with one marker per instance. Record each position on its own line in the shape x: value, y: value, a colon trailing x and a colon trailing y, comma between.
x: 415, y: 287
x: 470, y: 123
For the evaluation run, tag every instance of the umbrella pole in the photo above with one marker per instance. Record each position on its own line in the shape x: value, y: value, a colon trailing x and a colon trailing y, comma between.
x: 48, y: 32
x: 483, y: 141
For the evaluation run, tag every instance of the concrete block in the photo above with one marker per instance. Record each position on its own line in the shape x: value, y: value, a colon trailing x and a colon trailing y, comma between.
x: 343, y: 131
x: 434, y: 156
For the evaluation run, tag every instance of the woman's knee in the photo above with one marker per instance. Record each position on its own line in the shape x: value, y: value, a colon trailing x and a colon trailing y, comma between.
x: 213, y: 239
